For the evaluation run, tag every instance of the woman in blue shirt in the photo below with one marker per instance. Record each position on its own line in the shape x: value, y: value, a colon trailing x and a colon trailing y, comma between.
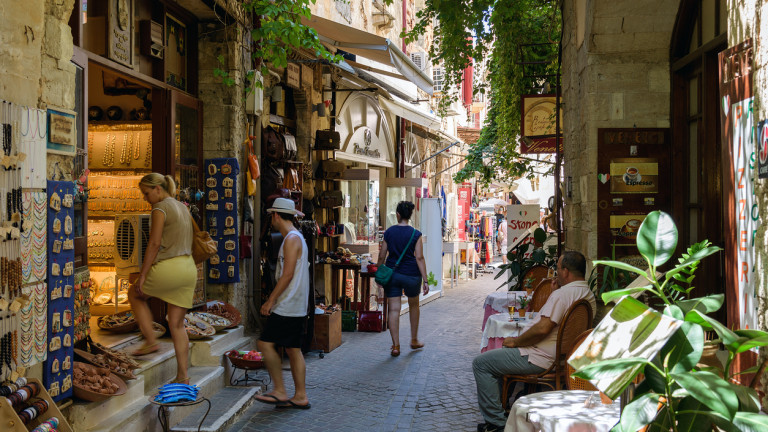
x: 409, y: 277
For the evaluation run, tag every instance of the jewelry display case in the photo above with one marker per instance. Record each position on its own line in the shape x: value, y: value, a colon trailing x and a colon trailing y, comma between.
x: 360, y: 212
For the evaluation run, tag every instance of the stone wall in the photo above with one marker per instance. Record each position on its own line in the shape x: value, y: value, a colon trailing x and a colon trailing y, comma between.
x: 615, y: 74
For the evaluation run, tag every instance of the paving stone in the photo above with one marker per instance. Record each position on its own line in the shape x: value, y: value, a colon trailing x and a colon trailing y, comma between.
x: 360, y: 387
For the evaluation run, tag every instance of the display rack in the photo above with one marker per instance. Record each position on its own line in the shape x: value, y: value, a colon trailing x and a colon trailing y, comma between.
x: 10, y: 421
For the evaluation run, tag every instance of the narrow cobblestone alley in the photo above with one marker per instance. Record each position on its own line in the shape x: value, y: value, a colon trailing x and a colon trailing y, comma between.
x: 360, y: 387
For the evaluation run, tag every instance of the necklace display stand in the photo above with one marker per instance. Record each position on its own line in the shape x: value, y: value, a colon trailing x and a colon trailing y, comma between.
x: 10, y: 421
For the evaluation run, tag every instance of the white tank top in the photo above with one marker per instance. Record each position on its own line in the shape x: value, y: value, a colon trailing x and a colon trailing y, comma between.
x: 294, y: 300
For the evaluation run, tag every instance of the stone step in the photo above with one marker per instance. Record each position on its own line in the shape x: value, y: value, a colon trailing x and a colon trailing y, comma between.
x: 209, y: 352
x: 141, y: 414
x: 158, y: 367
x: 83, y: 415
x: 226, y: 407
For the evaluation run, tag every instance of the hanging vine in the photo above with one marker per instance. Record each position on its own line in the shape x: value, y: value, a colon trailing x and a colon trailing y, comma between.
x: 494, y: 33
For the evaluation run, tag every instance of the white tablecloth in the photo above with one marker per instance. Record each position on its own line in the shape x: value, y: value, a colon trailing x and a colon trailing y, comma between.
x: 499, y: 326
x: 562, y: 411
x: 497, y: 300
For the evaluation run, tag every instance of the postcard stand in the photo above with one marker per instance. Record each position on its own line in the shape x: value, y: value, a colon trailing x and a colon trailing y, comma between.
x: 10, y: 421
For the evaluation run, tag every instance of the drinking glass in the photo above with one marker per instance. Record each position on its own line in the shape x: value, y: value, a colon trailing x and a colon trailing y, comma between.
x: 511, y: 303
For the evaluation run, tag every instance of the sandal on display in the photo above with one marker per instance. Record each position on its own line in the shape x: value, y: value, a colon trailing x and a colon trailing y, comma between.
x: 415, y: 344
x: 144, y: 350
x: 395, y: 350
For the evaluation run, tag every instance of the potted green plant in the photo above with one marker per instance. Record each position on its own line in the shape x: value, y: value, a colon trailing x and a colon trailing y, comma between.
x: 677, y: 392
x: 525, y: 256
x: 603, y: 279
x: 523, y: 301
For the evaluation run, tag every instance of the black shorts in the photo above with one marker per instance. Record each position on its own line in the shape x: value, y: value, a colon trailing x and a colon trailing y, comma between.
x: 284, y: 331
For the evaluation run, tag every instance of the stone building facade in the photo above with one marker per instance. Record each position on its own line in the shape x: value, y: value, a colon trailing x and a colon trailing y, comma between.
x: 653, y: 65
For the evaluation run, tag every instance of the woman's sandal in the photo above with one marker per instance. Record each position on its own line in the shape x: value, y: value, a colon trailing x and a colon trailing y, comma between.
x: 395, y: 350
x: 415, y: 344
x: 178, y: 381
x: 144, y: 350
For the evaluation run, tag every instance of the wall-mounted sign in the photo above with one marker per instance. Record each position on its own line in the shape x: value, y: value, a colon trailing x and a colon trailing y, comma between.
x: 119, y: 31
x: 464, y: 203
x: 634, y: 175
x: 624, y: 228
x: 307, y: 76
x: 742, y: 218
x: 175, y: 53
x: 762, y: 149
x: 538, y: 124
x: 62, y: 132
x: 293, y: 75
x: 520, y: 219
x: 364, y: 148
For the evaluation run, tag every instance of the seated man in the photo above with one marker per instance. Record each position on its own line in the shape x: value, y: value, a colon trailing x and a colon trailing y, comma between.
x: 534, y: 350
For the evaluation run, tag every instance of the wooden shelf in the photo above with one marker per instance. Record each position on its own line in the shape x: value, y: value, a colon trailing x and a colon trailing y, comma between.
x: 282, y: 121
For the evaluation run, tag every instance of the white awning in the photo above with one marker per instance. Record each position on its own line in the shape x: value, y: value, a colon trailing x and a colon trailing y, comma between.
x: 410, y: 112
x: 370, y: 46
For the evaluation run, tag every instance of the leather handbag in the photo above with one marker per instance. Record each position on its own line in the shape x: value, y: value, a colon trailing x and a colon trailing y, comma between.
x: 370, y: 321
x: 384, y: 273
x: 203, y: 246
x: 272, y: 144
x: 271, y: 180
x: 331, y: 169
x: 292, y: 180
x: 327, y: 140
x: 290, y: 146
x: 330, y: 199
x: 253, y: 160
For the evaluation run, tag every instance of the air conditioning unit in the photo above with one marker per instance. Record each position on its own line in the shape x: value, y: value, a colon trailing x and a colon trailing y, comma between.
x: 131, y: 239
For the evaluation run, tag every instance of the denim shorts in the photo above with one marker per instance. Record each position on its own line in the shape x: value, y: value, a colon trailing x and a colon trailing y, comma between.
x: 399, y: 283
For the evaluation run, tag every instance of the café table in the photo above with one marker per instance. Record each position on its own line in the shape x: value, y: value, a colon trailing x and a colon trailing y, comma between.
x: 497, y: 302
x: 499, y: 326
x: 563, y: 411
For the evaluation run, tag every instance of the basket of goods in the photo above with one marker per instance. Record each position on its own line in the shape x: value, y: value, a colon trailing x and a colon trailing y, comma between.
x: 94, y: 383
x: 217, y: 322
x: 128, y: 361
x: 225, y: 310
x: 245, y: 359
x: 121, y: 322
x: 158, y: 329
x: 121, y: 368
x: 197, y: 329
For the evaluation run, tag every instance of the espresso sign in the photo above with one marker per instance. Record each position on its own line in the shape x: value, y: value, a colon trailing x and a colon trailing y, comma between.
x: 624, y: 228
x: 634, y: 175
x: 119, y: 34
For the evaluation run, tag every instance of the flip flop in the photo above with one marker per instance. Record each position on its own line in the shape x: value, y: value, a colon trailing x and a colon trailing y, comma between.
x: 144, y: 350
x: 294, y: 405
x: 273, y: 401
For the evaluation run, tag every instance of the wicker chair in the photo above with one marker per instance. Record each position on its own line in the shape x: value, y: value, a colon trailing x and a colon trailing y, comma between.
x: 575, y: 321
x: 541, y: 294
x: 537, y: 273
x: 574, y: 383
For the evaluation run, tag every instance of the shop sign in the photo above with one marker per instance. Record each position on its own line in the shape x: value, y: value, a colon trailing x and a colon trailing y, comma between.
x: 464, y: 204
x: 520, y: 219
x: 361, y: 140
x: 624, y: 228
x: 62, y: 131
x: 293, y: 75
x: 634, y: 175
x: 538, y: 124
x: 742, y: 218
x: 762, y: 151
x: 119, y: 39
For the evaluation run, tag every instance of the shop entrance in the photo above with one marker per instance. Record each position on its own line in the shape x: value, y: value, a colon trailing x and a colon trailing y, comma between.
x: 700, y: 33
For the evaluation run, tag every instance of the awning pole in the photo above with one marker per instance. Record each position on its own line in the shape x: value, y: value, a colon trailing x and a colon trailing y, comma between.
x: 415, y: 165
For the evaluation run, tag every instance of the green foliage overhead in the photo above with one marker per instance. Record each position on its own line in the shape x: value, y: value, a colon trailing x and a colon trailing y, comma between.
x: 495, y: 32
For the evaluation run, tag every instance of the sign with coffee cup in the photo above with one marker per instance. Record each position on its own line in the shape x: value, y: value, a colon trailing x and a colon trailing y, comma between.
x: 624, y: 228
x: 634, y: 175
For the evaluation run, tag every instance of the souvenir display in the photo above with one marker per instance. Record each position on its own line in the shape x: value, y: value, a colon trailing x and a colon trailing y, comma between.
x: 111, y: 194
x: 33, y: 131
x: 33, y: 238
x: 82, y: 290
x: 32, y: 325
x: 93, y: 380
x: 218, y: 322
x: 60, y: 275
x: 196, y: 328
x: 221, y: 218
x: 101, y: 242
x: 115, y: 365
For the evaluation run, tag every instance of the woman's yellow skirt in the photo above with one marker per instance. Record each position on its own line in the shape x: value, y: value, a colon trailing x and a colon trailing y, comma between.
x: 172, y: 280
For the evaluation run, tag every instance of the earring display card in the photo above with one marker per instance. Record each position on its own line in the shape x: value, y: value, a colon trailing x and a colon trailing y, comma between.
x: 81, y: 294
x: 58, y: 303
x: 221, y: 217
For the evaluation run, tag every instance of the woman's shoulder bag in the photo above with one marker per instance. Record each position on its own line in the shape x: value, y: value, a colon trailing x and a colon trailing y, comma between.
x: 384, y: 273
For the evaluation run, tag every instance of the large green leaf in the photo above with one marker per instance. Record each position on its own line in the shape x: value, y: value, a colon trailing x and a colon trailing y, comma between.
x: 613, y: 295
x: 674, y: 311
x: 684, y: 348
x: 657, y: 238
x: 662, y: 422
x: 730, y: 339
x: 538, y: 255
x: 749, y: 339
x: 709, y: 389
x: 748, y: 398
x: 707, y: 304
x: 539, y: 235
x: 751, y: 422
x: 695, y: 420
x: 608, y: 368
x: 653, y: 381
x: 638, y: 413
x: 619, y: 265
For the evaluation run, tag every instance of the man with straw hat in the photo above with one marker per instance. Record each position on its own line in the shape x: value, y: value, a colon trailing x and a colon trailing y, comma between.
x: 286, y: 309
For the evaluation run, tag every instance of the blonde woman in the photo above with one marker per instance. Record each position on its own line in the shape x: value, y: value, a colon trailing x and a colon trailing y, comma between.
x: 168, y: 272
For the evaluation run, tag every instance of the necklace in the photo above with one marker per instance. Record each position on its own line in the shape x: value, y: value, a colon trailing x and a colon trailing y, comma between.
x: 136, y: 148
x: 148, y: 154
x: 109, y: 153
x: 90, y: 145
x: 123, y: 153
